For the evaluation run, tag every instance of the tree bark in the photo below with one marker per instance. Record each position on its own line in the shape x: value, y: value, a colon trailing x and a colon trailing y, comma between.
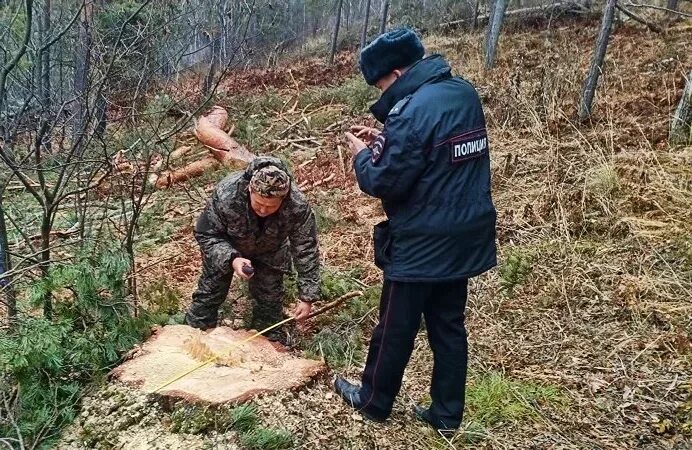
x: 364, y: 35
x: 335, y: 39
x: 44, y: 266
x: 597, y: 60
x: 44, y: 57
x: 494, y: 27
x: 672, y: 5
x: 681, y: 123
x: 385, y: 13
x: 213, y: 65
x: 6, y: 266
x: 82, y: 68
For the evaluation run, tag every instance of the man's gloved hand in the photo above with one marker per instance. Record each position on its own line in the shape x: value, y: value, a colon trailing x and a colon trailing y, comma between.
x: 238, y: 264
x: 302, y: 310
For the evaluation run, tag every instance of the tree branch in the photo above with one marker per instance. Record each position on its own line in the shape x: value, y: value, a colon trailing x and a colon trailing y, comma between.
x: 20, y: 53
x: 659, y: 8
x: 650, y: 25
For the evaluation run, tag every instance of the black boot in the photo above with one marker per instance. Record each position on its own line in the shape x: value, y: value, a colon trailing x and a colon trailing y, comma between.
x: 350, y: 393
x: 423, y: 414
x: 203, y: 325
x: 279, y: 335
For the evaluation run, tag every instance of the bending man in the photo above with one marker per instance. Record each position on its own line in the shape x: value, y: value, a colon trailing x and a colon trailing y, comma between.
x: 252, y: 225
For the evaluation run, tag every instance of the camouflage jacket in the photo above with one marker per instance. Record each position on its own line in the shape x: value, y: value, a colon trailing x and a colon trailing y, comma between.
x: 228, y: 228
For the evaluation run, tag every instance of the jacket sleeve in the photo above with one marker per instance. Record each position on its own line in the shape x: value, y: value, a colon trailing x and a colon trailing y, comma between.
x: 391, y: 174
x: 210, y: 233
x: 305, y: 251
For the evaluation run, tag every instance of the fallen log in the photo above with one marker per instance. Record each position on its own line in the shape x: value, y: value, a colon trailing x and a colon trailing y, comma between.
x: 209, y: 132
x: 225, y: 151
x: 192, y: 170
x: 555, y: 8
x: 217, y: 117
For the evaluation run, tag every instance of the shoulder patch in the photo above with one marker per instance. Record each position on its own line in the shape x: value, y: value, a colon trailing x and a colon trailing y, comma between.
x: 466, y: 146
x: 377, y: 147
x: 399, y: 106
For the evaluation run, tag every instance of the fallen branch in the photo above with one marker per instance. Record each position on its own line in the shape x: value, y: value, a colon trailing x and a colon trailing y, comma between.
x: 659, y: 8
x: 650, y: 25
x: 59, y: 233
x: 335, y: 303
x: 555, y: 8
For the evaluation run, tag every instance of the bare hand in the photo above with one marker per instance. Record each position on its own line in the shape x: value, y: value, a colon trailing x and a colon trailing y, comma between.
x: 367, y: 134
x: 354, y: 143
x: 238, y: 264
x: 302, y: 311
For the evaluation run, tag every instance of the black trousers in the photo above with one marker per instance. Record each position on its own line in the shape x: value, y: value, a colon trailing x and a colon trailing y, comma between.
x: 401, y: 308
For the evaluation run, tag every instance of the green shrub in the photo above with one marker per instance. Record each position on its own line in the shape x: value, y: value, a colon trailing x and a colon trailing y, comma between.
x: 50, y: 361
x: 493, y: 398
x: 514, y: 271
x: 161, y: 298
x: 355, y: 94
x: 266, y: 439
x: 338, y: 349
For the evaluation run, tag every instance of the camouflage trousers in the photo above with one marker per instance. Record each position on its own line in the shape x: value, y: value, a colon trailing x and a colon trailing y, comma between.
x: 266, y: 289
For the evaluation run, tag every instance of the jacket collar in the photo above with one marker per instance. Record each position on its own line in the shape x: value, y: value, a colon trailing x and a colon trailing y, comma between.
x: 427, y: 70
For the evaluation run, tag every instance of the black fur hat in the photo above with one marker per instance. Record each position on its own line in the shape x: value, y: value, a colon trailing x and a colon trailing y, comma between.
x: 394, y: 49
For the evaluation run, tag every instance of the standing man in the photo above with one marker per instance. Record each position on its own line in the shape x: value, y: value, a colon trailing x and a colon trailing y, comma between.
x: 431, y: 168
x: 254, y: 222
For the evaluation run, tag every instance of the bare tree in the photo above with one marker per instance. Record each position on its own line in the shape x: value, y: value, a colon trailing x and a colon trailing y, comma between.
x: 497, y: 17
x: 672, y: 5
x: 6, y: 287
x: 597, y: 60
x: 385, y: 14
x: 335, y: 38
x: 364, y: 35
x: 82, y: 68
x: 681, y: 123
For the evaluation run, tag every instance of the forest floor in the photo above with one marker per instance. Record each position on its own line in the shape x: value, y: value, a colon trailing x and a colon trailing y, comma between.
x: 580, y: 338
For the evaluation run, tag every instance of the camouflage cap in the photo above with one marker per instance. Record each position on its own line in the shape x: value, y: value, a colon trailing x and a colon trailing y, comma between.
x: 270, y: 181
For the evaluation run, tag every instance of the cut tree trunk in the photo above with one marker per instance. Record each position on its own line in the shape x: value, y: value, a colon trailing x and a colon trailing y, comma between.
x: 211, y: 134
x: 225, y: 151
x: 681, y: 123
x: 183, y: 174
x: 597, y: 60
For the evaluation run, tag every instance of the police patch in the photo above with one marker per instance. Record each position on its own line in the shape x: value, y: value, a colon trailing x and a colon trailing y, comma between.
x: 377, y: 148
x: 468, y: 146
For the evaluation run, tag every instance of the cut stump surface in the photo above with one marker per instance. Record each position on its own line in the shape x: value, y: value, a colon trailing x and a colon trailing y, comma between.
x: 261, y: 366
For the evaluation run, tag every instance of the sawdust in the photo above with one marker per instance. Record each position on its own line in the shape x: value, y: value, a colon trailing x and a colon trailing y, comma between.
x: 201, y: 351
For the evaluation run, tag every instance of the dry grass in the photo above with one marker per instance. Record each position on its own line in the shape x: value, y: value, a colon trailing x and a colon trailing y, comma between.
x: 603, y: 213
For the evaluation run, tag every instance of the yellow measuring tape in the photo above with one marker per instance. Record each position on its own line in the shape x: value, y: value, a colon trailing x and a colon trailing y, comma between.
x: 214, y: 358
x: 327, y: 307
